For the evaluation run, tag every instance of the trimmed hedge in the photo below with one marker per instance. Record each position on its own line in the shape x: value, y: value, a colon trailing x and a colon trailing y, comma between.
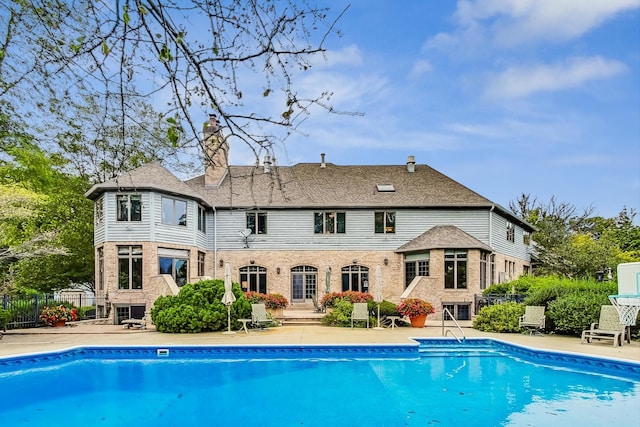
x: 499, y: 318
x: 198, y: 308
x: 572, y: 305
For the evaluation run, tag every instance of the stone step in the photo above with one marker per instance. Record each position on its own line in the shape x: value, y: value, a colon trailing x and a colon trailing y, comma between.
x: 301, y: 316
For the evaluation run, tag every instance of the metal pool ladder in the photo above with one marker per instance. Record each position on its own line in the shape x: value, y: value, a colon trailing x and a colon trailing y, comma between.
x: 449, y: 331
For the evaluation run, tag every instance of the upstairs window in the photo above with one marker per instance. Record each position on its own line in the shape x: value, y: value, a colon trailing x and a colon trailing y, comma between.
x: 98, y: 211
x: 202, y: 219
x: 257, y: 222
x: 174, y: 212
x: 526, y: 238
x: 385, y: 222
x: 129, y: 207
x: 511, y: 232
x: 329, y: 222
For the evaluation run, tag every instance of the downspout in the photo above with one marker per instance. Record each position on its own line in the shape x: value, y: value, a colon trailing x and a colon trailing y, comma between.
x: 215, y: 243
x: 491, y: 226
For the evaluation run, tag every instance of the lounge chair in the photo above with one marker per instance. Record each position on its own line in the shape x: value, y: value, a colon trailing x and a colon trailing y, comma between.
x: 360, y: 312
x: 259, y: 316
x: 533, y: 319
x: 607, y: 328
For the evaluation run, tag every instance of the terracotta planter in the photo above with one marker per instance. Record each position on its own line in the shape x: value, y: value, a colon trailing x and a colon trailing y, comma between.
x: 61, y: 322
x: 418, y: 321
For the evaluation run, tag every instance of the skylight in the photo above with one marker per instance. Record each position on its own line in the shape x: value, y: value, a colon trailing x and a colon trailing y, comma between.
x: 386, y: 188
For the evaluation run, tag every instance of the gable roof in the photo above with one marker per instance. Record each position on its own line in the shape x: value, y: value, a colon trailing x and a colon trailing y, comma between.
x: 308, y: 185
x: 151, y: 176
x: 443, y: 237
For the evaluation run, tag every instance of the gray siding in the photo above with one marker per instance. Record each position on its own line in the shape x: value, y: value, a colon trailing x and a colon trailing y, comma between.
x: 177, y: 234
x: 499, y: 241
x: 124, y: 230
x: 151, y: 229
x: 99, y: 229
x: 294, y: 229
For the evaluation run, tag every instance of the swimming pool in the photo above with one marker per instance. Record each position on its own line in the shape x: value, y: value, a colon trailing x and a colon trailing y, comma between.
x: 434, y: 382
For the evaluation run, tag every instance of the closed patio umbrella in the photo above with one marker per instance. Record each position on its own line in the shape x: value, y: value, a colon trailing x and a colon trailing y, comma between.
x: 228, y: 298
x: 377, y: 291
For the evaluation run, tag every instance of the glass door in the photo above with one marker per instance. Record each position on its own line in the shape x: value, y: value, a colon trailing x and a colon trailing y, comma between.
x: 297, y: 287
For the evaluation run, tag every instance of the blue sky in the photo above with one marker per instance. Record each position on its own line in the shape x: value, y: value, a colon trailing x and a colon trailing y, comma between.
x: 504, y: 96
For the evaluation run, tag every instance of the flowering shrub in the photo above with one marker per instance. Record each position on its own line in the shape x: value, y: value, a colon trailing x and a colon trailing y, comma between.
x: 329, y: 300
x: 254, y: 297
x: 413, y: 307
x: 51, y: 315
x: 271, y: 301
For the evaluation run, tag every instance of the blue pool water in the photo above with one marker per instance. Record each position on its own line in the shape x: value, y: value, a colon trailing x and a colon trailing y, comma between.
x: 433, y: 383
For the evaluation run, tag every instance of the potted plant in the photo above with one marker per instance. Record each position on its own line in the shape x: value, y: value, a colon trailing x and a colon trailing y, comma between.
x: 416, y: 310
x: 275, y: 304
x: 57, y: 315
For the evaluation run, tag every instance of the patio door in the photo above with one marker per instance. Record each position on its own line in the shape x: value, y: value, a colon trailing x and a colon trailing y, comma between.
x: 303, y: 283
x: 297, y: 287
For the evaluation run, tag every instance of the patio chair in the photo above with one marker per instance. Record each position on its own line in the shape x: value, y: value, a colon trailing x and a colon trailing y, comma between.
x: 533, y: 319
x: 607, y: 328
x: 360, y: 312
x: 317, y: 305
x: 259, y: 316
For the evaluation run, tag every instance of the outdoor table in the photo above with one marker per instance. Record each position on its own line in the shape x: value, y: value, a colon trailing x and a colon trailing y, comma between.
x: 393, y: 321
x: 244, y: 324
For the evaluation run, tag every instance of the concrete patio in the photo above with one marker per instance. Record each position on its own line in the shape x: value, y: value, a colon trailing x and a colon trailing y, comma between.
x: 21, y: 341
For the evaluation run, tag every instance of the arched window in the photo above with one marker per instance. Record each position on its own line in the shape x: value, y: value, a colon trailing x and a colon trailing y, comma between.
x: 253, y: 278
x: 355, y: 278
x: 304, y: 279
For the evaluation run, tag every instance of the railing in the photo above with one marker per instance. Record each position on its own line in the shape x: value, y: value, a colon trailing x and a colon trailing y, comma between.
x: 449, y: 331
x: 24, y: 311
x: 481, y: 301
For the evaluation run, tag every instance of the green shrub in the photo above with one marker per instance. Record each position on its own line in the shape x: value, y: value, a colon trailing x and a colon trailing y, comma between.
x: 198, y: 308
x: 387, y: 308
x: 5, y: 316
x: 573, y: 313
x: 546, y: 289
x: 499, y: 318
x: 521, y: 286
x: 341, y: 313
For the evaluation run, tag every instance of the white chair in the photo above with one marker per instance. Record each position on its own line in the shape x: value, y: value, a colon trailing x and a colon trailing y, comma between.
x: 533, y: 319
x: 360, y: 313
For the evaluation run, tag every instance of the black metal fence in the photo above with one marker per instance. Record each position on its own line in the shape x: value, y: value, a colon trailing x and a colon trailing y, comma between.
x: 24, y: 311
x: 481, y: 301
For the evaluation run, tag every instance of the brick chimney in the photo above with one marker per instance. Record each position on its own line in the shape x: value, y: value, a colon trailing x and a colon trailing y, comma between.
x: 322, y: 163
x: 216, y: 156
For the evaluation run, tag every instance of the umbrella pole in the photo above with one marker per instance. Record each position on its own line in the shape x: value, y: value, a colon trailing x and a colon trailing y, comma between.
x: 378, y: 327
x: 229, y: 331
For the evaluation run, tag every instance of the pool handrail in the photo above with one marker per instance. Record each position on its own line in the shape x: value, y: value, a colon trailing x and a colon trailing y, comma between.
x: 446, y: 310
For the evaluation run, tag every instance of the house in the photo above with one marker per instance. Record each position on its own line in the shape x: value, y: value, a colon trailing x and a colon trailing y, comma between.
x: 301, y: 231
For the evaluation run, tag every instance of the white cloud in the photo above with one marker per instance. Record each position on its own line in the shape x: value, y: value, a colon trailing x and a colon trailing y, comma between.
x: 521, y: 81
x: 514, y: 22
x: 420, y: 68
x: 349, y: 55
